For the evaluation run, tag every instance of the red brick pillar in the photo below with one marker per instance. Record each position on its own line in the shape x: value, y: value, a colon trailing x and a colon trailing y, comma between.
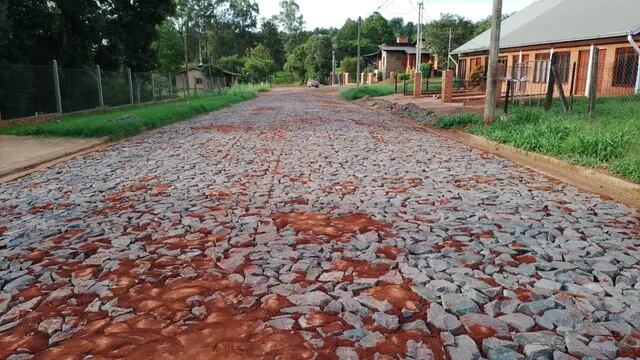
x: 447, y: 86
x: 417, y: 84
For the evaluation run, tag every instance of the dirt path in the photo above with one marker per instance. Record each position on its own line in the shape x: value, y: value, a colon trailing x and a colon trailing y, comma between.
x: 298, y: 226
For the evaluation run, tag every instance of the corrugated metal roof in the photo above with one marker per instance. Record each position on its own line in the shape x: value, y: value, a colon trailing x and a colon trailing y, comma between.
x: 554, y: 21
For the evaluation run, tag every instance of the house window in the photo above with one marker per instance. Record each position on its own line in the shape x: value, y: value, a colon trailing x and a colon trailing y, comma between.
x: 541, y: 69
x: 626, y: 67
x: 564, y: 65
x: 198, y: 81
x: 462, y: 69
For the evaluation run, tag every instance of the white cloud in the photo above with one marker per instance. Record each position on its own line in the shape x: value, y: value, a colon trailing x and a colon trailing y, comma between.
x: 327, y: 13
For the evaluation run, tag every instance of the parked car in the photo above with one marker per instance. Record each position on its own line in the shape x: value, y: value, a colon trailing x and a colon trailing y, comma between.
x: 313, y: 83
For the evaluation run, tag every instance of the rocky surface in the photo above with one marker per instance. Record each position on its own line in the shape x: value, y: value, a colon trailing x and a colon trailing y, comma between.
x: 297, y: 226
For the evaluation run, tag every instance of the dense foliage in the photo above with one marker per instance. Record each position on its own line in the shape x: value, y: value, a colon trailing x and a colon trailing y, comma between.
x: 153, y: 35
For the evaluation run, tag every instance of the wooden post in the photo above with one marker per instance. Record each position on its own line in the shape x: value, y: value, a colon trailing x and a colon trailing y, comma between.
x: 506, y: 99
x: 573, y: 84
x: 130, y: 85
x: 99, y: 81
x: 548, y: 101
x: 593, y: 85
x: 558, y: 80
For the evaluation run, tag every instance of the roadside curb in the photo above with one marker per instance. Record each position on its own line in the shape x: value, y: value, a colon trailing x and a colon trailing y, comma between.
x: 590, y: 180
x: 24, y: 171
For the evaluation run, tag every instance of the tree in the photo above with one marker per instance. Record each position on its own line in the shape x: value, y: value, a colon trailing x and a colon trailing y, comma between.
x: 350, y: 65
x: 232, y: 63
x: 485, y: 24
x: 130, y: 29
x: 271, y: 38
x: 318, y: 59
x: 437, y: 34
x: 377, y: 29
x: 296, y: 62
x: 259, y: 66
x: 397, y: 25
x: 169, y: 48
x: 291, y: 23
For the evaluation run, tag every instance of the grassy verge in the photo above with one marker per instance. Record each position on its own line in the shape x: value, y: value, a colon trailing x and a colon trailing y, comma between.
x: 356, y: 93
x: 131, y: 121
x: 611, y: 140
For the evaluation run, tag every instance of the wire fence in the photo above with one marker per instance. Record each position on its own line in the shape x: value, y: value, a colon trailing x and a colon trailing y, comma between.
x: 576, y: 78
x: 32, y: 90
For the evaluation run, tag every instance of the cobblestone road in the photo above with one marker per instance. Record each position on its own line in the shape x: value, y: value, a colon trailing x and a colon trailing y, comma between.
x: 297, y: 226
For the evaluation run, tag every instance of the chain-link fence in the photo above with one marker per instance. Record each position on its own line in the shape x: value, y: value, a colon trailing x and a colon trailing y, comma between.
x: 27, y: 91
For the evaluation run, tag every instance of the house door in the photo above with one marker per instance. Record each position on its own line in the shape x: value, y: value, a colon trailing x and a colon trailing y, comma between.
x: 581, y: 72
x: 583, y: 68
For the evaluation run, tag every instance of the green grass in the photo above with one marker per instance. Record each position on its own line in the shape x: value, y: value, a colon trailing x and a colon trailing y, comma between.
x: 610, y: 140
x: 120, y: 123
x: 356, y: 93
x: 458, y: 121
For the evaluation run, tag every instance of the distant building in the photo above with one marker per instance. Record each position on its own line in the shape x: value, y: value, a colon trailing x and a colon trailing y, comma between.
x: 571, y: 29
x: 205, y: 78
x: 400, y: 57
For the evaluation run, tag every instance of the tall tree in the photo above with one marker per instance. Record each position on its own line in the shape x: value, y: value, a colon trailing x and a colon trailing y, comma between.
x: 437, y: 34
x: 377, y: 29
x: 397, y: 25
x: 169, y: 48
x: 130, y: 29
x: 271, y: 38
x: 259, y: 65
x: 292, y: 23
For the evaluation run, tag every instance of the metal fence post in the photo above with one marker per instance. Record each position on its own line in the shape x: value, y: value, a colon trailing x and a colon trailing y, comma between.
x: 153, y: 88
x: 130, y: 85
x: 170, y: 86
x: 56, y: 83
x: 99, y: 81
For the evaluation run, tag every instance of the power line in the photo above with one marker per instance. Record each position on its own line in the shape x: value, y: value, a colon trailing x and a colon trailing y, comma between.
x: 385, y: 2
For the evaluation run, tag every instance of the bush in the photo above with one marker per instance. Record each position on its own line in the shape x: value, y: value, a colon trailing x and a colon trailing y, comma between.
x: 458, y: 121
x: 426, y: 69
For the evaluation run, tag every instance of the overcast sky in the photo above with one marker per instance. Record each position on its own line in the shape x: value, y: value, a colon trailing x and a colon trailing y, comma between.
x: 328, y: 13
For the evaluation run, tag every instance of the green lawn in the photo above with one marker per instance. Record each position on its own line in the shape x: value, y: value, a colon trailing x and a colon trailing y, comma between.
x: 119, y: 123
x: 610, y: 140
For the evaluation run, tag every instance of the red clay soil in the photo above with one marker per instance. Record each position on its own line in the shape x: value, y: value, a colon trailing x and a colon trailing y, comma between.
x: 321, y: 224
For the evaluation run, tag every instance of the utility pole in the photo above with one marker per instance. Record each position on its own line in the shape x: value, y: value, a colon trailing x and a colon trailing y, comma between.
x: 186, y: 61
x: 494, y: 50
x: 358, y: 59
x: 449, y: 53
x: 419, y: 43
x: 333, y: 55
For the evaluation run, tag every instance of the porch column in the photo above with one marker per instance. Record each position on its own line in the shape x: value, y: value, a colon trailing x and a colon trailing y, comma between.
x: 638, y: 77
x: 587, y: 88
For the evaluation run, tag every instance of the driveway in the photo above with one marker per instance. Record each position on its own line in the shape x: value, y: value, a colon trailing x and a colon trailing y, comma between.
x: 298, y: 226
